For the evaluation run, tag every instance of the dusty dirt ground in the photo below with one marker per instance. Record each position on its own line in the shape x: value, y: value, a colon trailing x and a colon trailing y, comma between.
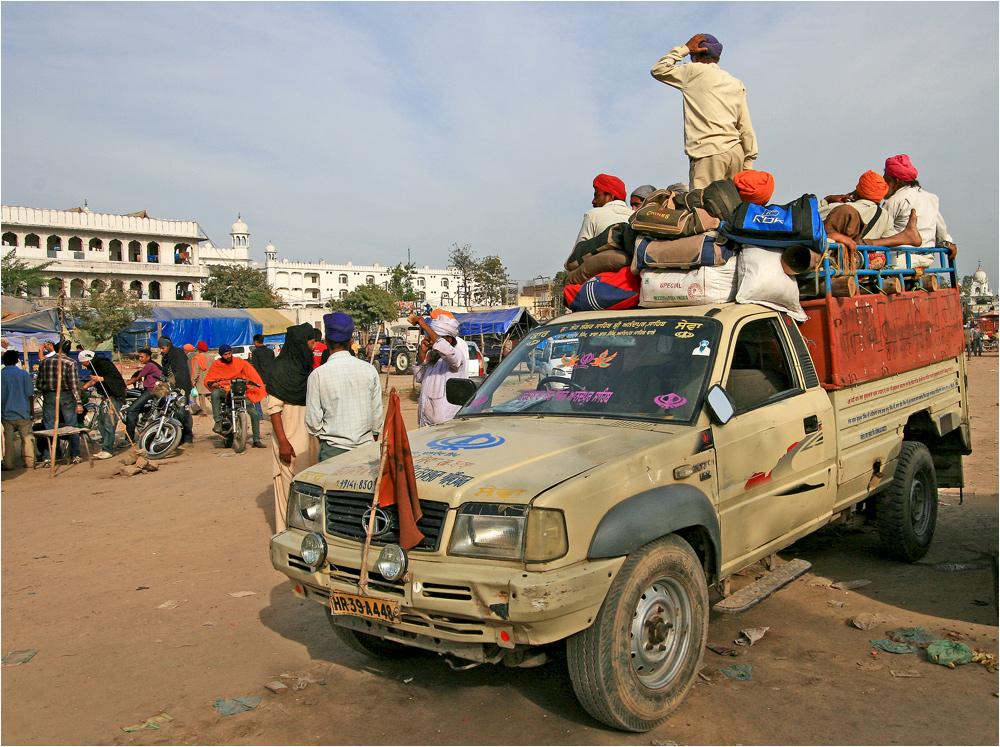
x: 87, y: 560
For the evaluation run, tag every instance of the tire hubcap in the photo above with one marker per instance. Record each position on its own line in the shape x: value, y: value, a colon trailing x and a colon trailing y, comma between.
x: 660, y: 633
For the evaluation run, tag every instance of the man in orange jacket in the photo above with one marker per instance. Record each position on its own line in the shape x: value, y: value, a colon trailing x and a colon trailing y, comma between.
x: 225, y: 368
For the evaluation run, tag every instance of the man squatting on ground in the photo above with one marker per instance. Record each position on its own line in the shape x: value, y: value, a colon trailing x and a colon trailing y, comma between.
x: 343, y: 395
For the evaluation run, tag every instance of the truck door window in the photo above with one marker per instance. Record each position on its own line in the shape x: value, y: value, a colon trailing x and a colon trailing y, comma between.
x: 760, y: 371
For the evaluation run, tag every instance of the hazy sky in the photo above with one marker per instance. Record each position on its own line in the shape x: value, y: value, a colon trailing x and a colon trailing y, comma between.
x: 349, y: 132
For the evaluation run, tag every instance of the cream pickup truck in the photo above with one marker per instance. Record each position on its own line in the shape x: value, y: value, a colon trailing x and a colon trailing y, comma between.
x: 595, y: 511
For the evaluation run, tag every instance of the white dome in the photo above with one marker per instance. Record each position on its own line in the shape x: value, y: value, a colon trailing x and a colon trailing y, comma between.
x: 979, y: 275
x: 270, y: 247
x: 239, y: 226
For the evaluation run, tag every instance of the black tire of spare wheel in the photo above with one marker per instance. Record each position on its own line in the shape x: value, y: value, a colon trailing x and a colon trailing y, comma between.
x: 617, y: 679
x: 906, y: 513
x: 370, y: 645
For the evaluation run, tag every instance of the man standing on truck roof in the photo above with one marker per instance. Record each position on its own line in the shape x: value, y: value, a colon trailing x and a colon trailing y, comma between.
x: 609, y: 207
x: 905, y: 194
x: 718, y: 135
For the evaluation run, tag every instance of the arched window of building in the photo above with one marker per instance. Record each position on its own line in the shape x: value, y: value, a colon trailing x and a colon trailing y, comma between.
x: 370, y: 279
x: 56, y: 286
x: 96, y: 245
x: 154, y: 290
x: 76, y: 288
x: 136, y: 287
x: 421, y: 283
x: 152, y: 252
x: 182, y: 254
x: 75, y: 244
x: 445, y: 299
x: 32, y: 240
x: 444, y: 282
x: 97, y: 287
x: 53, y: 244
x: 134, y: 252
x: 421, y: 296
x: 343, y: 293
x: 117, y: 285
x: 35, y: 289
x: 312, y: 277
x: 342, y: 280
x: 115, y: 250
x: 10, y: 239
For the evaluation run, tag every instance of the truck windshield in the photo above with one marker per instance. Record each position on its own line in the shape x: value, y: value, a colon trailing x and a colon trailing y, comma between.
x: 650, y: 368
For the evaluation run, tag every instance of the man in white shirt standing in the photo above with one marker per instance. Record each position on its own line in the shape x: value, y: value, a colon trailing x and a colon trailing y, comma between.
x: 718, y: 135
x: 905, y: 194
x: 343, y: 396
x: 442, y: 355
x: 609, y: 207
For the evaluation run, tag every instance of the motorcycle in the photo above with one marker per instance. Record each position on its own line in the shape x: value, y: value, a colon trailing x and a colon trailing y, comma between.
x: 235, y: 420
x: 163, y: 432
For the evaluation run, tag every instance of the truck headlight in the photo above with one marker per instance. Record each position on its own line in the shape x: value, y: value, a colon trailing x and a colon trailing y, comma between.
x: 313, y: 550
x: 305, y: 507
x: 494, y: 530
x: 489, y: 530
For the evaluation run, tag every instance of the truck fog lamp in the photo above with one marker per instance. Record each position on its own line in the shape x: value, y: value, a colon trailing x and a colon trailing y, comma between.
x: 392, y: 562
x: 313, y: 550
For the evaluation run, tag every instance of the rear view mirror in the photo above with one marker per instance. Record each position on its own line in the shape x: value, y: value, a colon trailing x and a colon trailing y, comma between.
x: 720, y: 405
x: 459, y: 391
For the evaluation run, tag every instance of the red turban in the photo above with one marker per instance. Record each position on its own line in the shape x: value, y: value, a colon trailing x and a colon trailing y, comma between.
x: 202, y: 346
x: 871, y: 186
x: 754, y: 186
x: 899, y: 167
x: 610, y: 184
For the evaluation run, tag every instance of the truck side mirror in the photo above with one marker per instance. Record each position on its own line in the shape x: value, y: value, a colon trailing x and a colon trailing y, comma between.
x: 459, y: 391
x: 720, y: 405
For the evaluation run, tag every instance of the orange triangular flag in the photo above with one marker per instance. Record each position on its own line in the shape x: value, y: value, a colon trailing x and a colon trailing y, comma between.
x: 399, y: 483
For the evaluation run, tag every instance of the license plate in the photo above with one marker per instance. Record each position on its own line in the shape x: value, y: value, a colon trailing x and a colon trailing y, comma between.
x: 383, y: 610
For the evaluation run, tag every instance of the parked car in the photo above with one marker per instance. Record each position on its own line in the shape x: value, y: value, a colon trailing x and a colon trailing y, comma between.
x: 552, y: 357
x: 243, y: 351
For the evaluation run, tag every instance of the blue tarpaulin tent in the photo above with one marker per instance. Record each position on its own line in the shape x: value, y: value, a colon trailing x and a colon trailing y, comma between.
x: 498, y: 322
x: 189, y: 325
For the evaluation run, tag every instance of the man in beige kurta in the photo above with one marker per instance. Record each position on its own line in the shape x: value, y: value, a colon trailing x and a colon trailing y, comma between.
x: 294, y: 451
x: 718, y: 135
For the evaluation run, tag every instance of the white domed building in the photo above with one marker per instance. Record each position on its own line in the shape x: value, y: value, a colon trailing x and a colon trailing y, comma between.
x: 238, y: 252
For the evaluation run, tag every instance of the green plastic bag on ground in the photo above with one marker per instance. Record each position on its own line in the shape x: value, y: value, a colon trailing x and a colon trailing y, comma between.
x: 949, y: 653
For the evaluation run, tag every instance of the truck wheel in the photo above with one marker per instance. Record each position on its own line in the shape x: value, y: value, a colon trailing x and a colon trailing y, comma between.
x: 635, y: 664
x: 401, y: 360
x: 370, y: 645
x: 906, y: 513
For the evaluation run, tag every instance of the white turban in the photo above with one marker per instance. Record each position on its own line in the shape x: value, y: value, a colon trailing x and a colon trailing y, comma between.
x: 445, y: 326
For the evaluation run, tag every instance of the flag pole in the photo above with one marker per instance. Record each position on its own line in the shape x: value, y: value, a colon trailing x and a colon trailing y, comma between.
x: 370, y: 528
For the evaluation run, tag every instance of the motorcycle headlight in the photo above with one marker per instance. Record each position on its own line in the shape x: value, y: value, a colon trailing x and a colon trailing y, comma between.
x: 305, y: 507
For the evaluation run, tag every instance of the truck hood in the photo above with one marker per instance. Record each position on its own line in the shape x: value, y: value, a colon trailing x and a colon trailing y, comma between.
x: 504, y: 460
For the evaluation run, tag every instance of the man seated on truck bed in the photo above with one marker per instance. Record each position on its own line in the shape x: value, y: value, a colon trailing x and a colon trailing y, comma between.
x: 856, y: 218
x: 906, y: 194
x: 609, y: 207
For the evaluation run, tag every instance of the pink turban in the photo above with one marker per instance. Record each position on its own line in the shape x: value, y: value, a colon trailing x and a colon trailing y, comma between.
x: 610, y: 184
x: 899, y: 167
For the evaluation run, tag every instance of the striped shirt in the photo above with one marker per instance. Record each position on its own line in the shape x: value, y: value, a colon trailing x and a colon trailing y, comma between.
x: 344, y: 402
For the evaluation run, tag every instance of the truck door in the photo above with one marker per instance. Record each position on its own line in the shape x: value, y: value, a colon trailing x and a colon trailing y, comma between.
x: 774, y: 463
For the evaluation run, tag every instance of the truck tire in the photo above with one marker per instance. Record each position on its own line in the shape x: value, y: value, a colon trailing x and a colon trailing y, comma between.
x: 401, y: 361
x: 370, y: 645
x: 638, y: 660
x: 906, y: 513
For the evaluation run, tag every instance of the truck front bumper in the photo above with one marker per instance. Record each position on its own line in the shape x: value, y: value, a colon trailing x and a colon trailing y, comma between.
x: 464, y: 602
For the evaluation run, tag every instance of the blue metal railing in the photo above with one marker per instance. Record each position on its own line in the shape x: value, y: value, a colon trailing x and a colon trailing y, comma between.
x: 828, y: 270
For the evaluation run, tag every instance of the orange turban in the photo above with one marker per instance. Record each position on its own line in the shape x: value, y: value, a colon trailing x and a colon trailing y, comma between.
x: 612, y: 185
x: 189, y: 348
x: 754, y: 186
x: 871, y: 186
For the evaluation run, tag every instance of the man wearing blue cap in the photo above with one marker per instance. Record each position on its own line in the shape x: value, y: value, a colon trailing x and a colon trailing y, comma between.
x: 343, y: 396
x: 718, y: 136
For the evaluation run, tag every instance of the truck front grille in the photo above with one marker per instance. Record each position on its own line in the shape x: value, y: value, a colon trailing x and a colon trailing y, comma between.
x: 345, y: 518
